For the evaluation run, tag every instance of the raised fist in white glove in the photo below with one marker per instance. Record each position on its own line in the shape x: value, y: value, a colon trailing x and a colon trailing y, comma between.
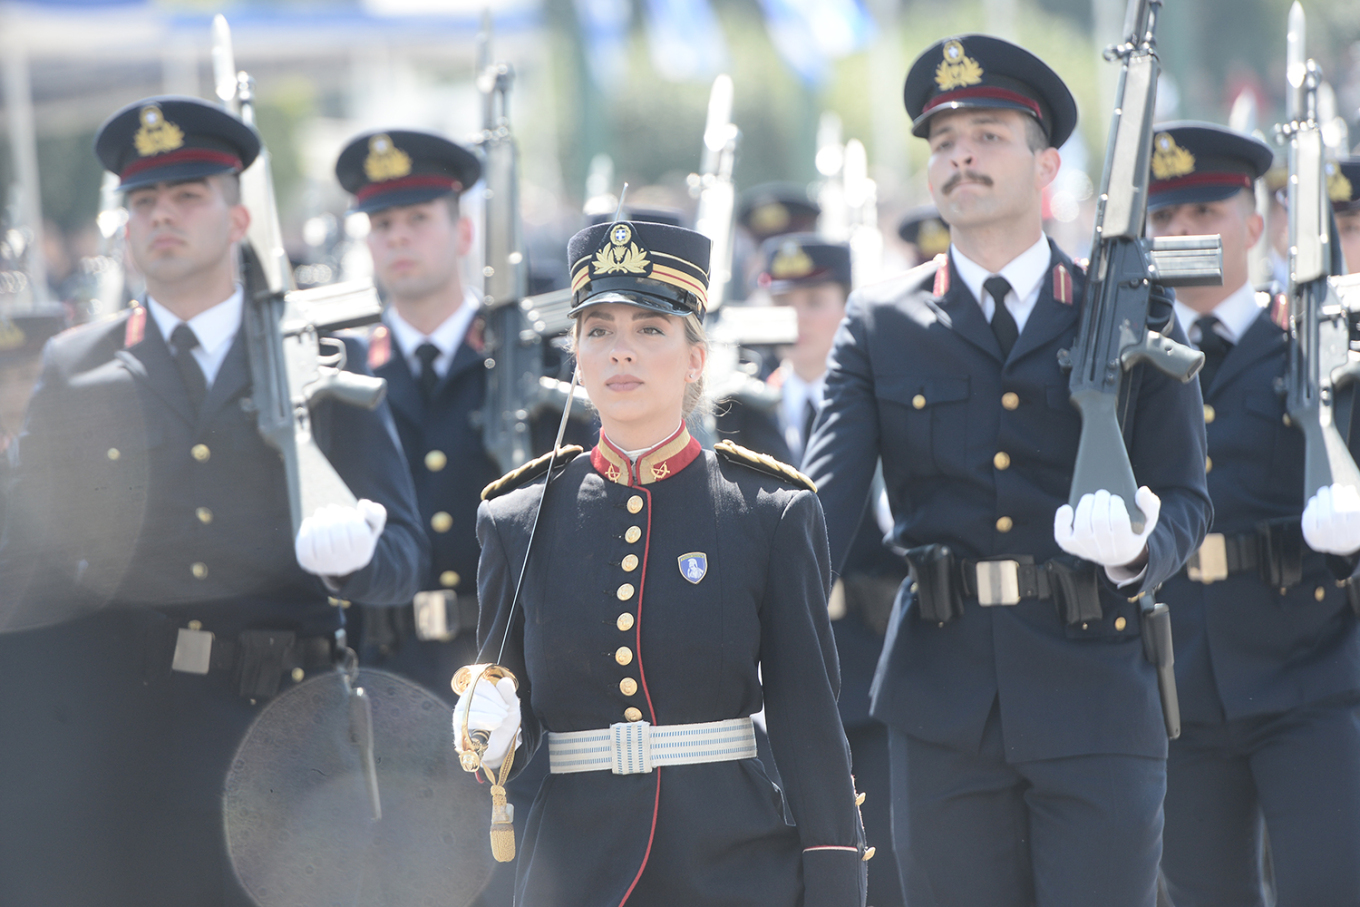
x: 1100, y: 530
x: 493, y: 708
x: 338, y: 540
x: 1331, y: 521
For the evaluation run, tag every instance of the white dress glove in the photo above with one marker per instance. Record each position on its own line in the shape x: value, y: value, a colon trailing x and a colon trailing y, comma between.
x: 493, y: 708
x: 336, y: 540
x: 1331, y: 521
x: 1100, y: 530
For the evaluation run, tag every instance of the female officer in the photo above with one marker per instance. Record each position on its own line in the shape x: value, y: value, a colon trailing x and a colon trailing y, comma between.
x: 664, y: 582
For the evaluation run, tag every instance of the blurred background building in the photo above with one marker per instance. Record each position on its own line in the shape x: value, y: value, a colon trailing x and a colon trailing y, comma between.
x: 603, y: 90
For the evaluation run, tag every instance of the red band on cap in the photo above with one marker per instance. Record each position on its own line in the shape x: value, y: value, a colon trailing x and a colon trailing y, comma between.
x: 183, y: 156
x: 1194, y: 180
x: 408, y: 182
x: 990, y: 93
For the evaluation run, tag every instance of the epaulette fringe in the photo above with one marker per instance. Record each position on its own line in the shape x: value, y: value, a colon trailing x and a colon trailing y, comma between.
x: 765, y: 463
x: 528, y: 472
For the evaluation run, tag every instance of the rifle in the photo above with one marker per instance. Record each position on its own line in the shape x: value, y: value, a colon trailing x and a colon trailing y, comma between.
x: 1113, y: 335
x: 713, y: 187
x: 283, y: 325
x: 729, y: 328
x: 848, y: 199
x: 288, y: 372
x: 1319, y: 328
x: 517, y: 391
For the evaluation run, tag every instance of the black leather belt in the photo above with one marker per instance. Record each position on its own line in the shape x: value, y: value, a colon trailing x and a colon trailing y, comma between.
x: 1222, y: 555
x: 257, y: 661
x: 1004, y: 581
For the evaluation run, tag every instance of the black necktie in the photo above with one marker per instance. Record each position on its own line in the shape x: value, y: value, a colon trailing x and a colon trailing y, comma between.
x: 427, y: 353
x: 809, y: 417
x: 1003, y: 323
x: 183, y: 339
x: 1214, y: 347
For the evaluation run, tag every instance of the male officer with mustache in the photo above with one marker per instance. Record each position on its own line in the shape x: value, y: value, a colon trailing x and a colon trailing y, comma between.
x: 1028, y: 753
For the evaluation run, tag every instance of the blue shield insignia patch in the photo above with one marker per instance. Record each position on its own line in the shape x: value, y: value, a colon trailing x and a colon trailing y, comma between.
x: 693, y: 566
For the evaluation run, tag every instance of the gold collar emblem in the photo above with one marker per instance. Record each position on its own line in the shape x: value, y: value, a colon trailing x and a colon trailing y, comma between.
x: 157, y: 134
x: 1170, y: 160
x: 620, y: 254
x: 790, y: 262
x: 957, y: 69
x: 385, y: 160
x: 1339, y: 188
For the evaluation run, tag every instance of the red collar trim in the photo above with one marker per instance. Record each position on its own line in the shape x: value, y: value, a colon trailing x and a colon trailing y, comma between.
x: 941, y: 274
x: 408, y: 182
x: 661, y: 462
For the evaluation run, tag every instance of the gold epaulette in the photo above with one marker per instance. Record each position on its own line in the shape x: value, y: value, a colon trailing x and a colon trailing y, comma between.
x: 760, y: 462
x: 528, y: 472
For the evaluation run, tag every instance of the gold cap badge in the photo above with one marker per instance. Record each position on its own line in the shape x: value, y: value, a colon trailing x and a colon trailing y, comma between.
x: 1339, y: 188
x: 932, y: 238
x: 385, y: 160
x: 620, y: 254
x: 957, y: 69
x: 1170, y: 160
x: 771, y: 218
x: 790, y: 262
x: 157, y: 134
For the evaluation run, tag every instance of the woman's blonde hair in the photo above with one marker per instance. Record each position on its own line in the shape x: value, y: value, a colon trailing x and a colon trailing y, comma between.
x: 694, y: 333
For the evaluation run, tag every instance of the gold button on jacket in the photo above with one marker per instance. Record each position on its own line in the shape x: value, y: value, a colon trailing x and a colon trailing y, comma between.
x: 624, y: 655
x: 625, y: 622
x: 625, y: 592
x: 635, y: 503
x: 628, y: 686
x: 633, y: 534
x: 436, y: 460
x: 441, y: 521
x: 632, y: 714
x: 630, y: 563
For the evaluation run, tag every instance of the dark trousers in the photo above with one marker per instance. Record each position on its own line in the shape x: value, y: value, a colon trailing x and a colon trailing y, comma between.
x: 869, y: 763
x: 972, y: 830
x: 1296, y: 774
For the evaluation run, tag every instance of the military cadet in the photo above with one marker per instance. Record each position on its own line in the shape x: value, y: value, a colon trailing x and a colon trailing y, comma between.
x: 1027, y: 747
x: 150, y: 515
x: 429, y: 350
x: 662, y: 577
x: 813, y: 277
x: 924, y: 233
x: 1343, y: 188
x: 765, y: 210
x: 1267, y: 648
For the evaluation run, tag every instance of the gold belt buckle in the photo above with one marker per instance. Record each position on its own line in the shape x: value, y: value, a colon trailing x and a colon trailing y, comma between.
x: 998, y: 583
x: 1210, y: 563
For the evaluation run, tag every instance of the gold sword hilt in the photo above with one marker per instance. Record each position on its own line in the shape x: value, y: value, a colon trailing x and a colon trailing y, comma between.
x: 471, y: 745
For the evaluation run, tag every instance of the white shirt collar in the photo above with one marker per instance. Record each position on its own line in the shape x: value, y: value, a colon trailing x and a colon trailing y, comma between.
x: 215, y: 329
x: 446, y: 338
x: 1025, y: 273
x: 1235, y: 315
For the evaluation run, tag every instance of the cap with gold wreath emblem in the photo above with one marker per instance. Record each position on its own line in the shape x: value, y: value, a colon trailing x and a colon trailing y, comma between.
x: 654, y: 266
x: 1343, y: 184
x: 773, y: 209
x: 803, y: 260
x: 984, y: 72
x: 171, y: 139
x: 925, y: 229
x: 404, y: 167
x: 1202, y: 162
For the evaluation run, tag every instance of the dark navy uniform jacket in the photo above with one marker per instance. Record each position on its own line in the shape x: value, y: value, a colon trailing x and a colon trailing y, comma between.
x: 609, y: 630
x: 917, y: 377
x: 1242, y: 647
x: 443, y: 444
x: 858, y: 644
x: 122, y: 495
